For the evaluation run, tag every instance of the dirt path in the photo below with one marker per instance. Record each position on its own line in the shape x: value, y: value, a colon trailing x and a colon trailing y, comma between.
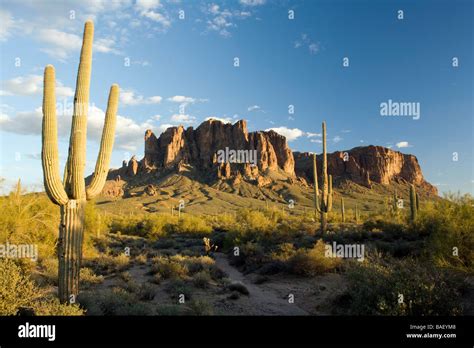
x: 260, y: 301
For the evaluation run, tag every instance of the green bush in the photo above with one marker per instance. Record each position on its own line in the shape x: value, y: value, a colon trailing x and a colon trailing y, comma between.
x: 18, y: 291
x: 449, y: 224
x: 375, y: 286
x: 313, y: 261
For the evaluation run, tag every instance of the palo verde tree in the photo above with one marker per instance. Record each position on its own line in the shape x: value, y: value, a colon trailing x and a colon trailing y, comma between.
x: 71, y: 194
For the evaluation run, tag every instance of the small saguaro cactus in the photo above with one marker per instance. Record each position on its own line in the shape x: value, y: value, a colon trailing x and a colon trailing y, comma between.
x: 357, y: 214
x: 72, y: 194
x: 414, y: 203
x: 343, y: 210
x: 323, y: 206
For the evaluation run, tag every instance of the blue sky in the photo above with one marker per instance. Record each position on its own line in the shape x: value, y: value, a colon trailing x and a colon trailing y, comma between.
x: 181, y: 71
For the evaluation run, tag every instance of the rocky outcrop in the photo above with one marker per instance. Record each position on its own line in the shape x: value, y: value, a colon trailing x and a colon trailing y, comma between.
x: 224, y: 151
x: 367, y: 165
x: 254, y: 152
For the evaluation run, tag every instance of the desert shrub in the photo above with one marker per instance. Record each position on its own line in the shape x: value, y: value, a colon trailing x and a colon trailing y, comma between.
x: 202, y: 279
x: 191, y: 224
x: 449, y: 224
x: 141, y: 259
x: 106, y: 264
x: 164, y: 243
x: 375, y: 286
x: 255, y: 221
x: 52, y: 306
x: 146, y: 292
x: 50, y: 270
x: 16, y: 289
x: 29, y: 218
x: 223, y: 222
x: 313, y: 261
x: 177, y: 287
x: 115, y: 301
x: 168, y: 267
x: 170, y: 310
x: 200, y: 307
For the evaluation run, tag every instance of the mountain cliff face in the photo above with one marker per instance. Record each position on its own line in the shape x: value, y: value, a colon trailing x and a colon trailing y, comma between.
x: 179, y: 149
x: 367, y: 165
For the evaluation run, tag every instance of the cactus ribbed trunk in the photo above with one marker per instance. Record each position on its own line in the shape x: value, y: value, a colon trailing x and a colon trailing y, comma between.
x: 71, y: 235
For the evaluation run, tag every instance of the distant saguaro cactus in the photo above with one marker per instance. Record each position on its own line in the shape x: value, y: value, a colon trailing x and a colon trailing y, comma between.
x: 414, y: 203
x: 72, y: 195
x: 356, y: 214
x: 343, y: 210
x: 323, y: 206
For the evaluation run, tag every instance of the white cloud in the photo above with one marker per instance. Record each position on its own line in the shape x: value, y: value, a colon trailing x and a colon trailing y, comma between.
x: 61, y: 44
x: 31, y: 85
x: 403, y: 144
x: 312, y: 135
x: 290, y: 134
x: 319, y: 141
x: 252, y: 2
x: 183, y: 118
x: 223, y: 120
x: 128, y: 133
x: 337, y: 139
x: 156, y: 117
x: 149, y: 9
x: 145, y: 5
x: 181, y: 99
x: 222, y: 20
x: 313, y: 48
x: 106, y: 45
x: 254, y: 108
x: 304, y: 40
x: 7, y: 24
x: 128, y: 97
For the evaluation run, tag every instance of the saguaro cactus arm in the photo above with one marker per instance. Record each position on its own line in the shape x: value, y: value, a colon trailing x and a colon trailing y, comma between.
x: 49, y: 153
x: 106, y: 145
x: 76, y: 162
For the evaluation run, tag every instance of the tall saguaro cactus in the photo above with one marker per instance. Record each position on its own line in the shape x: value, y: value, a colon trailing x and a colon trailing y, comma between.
x: 414, y: 203
x: 323, y: 206
x: 72, y: 194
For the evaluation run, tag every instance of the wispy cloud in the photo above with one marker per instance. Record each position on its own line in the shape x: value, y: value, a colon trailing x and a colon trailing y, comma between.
x: 183, y: 118
x: 8, y: 23
x: 254, y: 108
x: 31, y: 85
x: 153, y: 10
x: 128, y: 97
x: 305, y: 41
x: 252, y: 2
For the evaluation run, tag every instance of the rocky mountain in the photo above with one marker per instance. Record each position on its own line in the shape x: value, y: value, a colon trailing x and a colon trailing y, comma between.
x: 222, y: 152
